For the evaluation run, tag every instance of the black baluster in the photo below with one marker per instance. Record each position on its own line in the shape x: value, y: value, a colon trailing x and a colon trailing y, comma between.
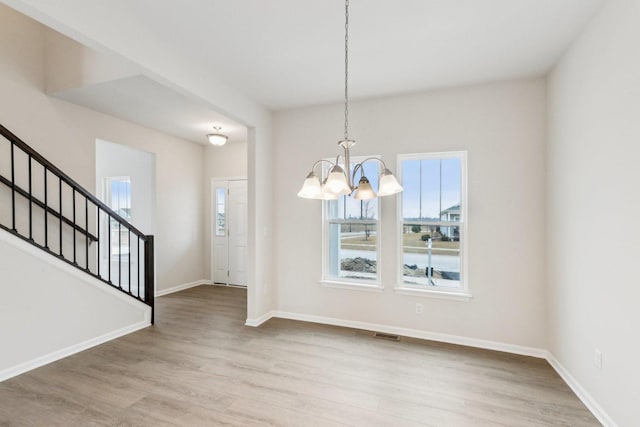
x: 30, y: 203
x: 73, y: 204
x: 98, y: 240
x: 129, y: 244
x: 46, y: 211
x: 13, y: 190
x: 60, y: 208
x: 138, y: 281
x: 109, y: 244
x: 86, y: 229
x: 119, y: 255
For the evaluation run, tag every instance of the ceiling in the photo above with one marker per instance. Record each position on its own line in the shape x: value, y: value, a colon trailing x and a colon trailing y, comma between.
x: 151, y: 104
x: 288, y: 53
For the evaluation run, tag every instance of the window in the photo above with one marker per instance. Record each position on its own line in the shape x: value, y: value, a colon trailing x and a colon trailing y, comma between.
x: 351, y: 239
x: 221, y: 219
x: 118, y: 192
x: 433, y: 222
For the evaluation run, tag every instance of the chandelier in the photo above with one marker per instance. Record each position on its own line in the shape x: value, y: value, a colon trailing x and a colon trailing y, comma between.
x: 339, y: 180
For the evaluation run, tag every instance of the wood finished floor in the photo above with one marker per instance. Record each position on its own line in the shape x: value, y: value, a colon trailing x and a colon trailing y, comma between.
x: 200, y: 366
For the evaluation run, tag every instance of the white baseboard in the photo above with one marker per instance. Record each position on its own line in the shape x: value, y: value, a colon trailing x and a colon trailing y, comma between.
x: 259, y: 320
x: 413, y: 333
x: 182, y: 287
x: 582, y: 394
x: 76, y: 348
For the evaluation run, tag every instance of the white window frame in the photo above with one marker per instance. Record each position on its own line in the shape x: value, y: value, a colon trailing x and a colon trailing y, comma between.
x: 344, y: 282
x: 463, y: 293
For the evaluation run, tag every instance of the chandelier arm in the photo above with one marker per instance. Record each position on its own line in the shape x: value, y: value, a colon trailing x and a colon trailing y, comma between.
x: 360, y: 166
x: 355, y: 171
x: 322, y: 161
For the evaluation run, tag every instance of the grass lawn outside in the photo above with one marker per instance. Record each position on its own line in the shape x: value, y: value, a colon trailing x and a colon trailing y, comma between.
x: 411, y: 242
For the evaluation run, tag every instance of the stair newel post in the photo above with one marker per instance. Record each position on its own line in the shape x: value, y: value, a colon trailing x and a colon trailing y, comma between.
x: 149, y: 276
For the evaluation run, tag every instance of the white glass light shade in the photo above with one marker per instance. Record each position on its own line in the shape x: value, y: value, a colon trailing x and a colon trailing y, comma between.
x: 337, y: 181
x: 388, y: 184
x: 364, y: 190
x: 311, y: 188
x: 326, y: 195
x: 217, y: 139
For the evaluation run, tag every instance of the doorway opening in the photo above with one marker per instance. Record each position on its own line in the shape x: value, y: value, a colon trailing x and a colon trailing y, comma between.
x: 229, y: 232
x: 125, y: 181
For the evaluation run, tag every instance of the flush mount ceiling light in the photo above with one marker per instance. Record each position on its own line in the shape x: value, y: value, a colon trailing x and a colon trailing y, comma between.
x: 339, y: 181
x: 217, y: 138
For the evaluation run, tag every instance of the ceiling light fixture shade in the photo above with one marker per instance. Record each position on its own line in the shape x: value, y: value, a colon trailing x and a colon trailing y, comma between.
x: 311, y: 188
x: 364, y: 190
x: 217, y: 138
x: 326, y: 195
x: 388, y: 184
x: 339, y: 181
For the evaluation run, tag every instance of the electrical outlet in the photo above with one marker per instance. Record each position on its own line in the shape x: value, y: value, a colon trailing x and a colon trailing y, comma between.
x: 597, y: 360
x: 418, y: 308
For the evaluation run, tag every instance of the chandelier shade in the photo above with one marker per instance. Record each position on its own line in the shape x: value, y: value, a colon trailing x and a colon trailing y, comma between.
x: 364, y: 190
x: 388, y: 184
x: 311, y: 189
x: 337, y: 182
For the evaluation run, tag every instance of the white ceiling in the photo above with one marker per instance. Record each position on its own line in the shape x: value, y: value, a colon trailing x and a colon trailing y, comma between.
x: 151, y: 104
x: 287, y: 53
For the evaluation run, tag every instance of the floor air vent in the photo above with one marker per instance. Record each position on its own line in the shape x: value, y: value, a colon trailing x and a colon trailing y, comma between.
x: 386, y: 336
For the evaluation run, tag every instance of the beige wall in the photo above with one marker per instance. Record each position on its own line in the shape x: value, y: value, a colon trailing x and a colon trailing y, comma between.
x: 71, y: 65
x: 593, y: 206
x: 228, y: 161
x: 502, y: 126
x: 66, y: 134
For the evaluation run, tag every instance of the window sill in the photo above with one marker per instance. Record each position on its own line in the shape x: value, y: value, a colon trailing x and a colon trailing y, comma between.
x: 433, y: 293
x: 374, y: 287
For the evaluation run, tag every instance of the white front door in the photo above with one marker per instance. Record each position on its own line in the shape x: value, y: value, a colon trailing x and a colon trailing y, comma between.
x: 229, y: 232
x: 237, y: 233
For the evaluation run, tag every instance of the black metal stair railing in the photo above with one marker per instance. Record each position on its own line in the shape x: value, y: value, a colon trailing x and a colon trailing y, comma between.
x: 54, y: 213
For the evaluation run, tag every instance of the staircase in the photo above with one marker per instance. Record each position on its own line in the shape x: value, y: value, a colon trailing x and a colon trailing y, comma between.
x: 43, y: 206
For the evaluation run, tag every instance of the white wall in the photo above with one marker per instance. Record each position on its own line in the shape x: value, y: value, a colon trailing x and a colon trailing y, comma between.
x: 66, y: 134
x: 49, y: 309
x: 502, y: 126
x: 228, y: 161
x: 593, y: 206
x: 116, y: 160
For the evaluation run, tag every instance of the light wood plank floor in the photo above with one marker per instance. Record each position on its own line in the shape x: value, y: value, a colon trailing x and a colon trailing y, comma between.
x: 200, y: 366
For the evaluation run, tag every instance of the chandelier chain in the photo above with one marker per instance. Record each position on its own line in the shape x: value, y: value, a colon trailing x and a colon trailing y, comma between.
x: 346, y: 69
